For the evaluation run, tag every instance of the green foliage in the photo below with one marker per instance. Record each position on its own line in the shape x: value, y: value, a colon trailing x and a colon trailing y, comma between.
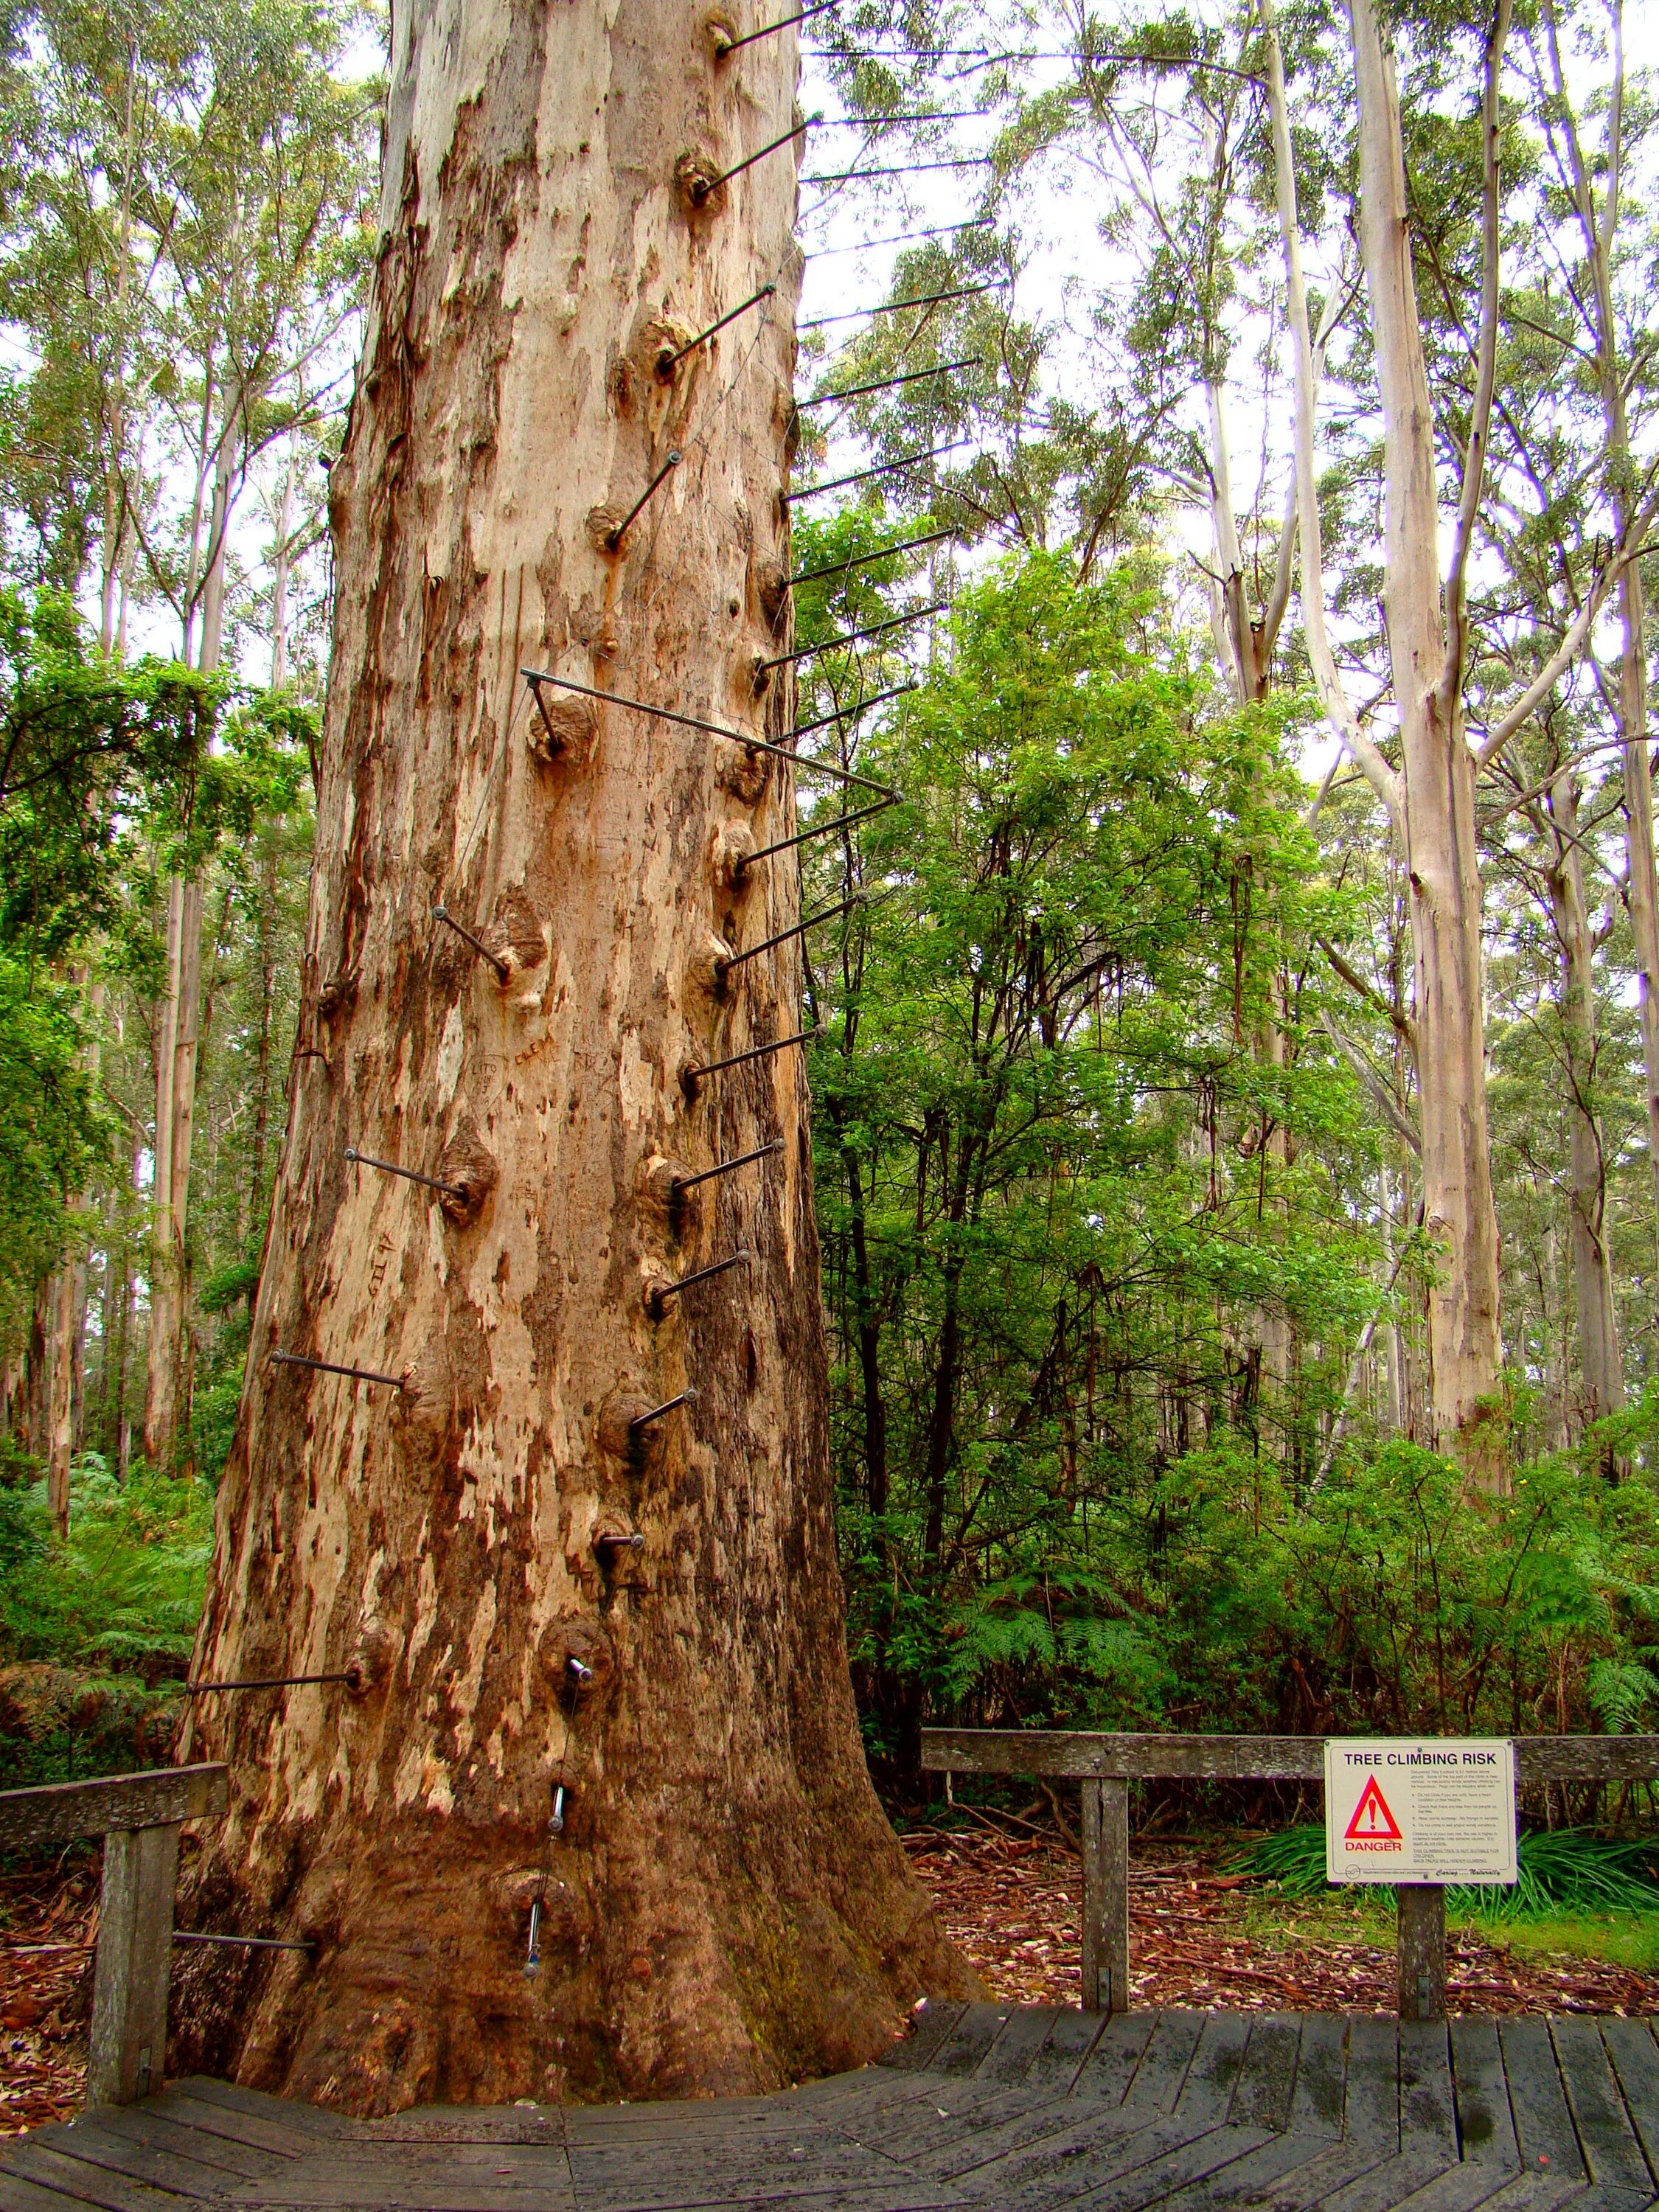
x: 95, y: 1632
x: 1572, y: 1870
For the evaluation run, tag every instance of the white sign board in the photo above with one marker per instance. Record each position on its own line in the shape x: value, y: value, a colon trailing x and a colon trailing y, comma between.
x: 1438, y: 1809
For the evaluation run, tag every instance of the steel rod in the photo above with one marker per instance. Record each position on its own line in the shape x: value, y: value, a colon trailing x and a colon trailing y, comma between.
x: 863, y: 560
x: 725, y: 1168
x: 819, y: 829
x: 608, y: 1542
x: 898, y: 238
x: 799, y: 929
x: 719, y: 729
x: 843, y: 713
x: 503, y: 971
x: 849, y: 637
x: 906, y: 169
x: 881, y: 469
x: 410, y: 1175
x: 667, y: 362
x: 892, y: 306
x: 731, y: 45
x: 614, y: 537
x: 687, y: 1397
x: 272, y: 1681
x: 243, y: 1943
x: 691, y: 1077
x: 703, y: 187
x: 887, y: 383
x: 332, y: 1367
x: 661, y: 1292
x: 533, y: 1956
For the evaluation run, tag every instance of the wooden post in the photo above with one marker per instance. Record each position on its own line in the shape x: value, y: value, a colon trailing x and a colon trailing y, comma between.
x: 1421, y: 1942
x: 135, y: 1959
x: 1106, y: 1895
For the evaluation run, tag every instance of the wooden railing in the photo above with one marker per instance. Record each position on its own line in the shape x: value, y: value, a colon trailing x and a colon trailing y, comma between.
x: 1106, y: 1764
x: 138, y: 1816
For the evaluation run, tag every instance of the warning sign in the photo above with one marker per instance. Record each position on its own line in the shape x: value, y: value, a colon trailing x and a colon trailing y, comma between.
x: 1440, y: 1809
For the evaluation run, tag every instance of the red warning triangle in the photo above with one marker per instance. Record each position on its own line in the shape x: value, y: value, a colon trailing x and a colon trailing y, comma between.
x: 1371, y: 1817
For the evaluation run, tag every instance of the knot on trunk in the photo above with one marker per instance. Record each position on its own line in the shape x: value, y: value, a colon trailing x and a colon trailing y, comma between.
x: 423, y: 1414
x: 663, y: 337
x: 562, y: 728
x: 696, y: 177
x: 707, y: 969
x: 576, y: 1655
x: 469, y: 1169
x: 518, y: 930
x: 336, y: 994
x: 740, y: 770
x: 667, y: 1209
x: 602, y: 525
x: 772, y: 591
x: 719, y: 28
x: 373, y: 1657
x: 730, y: 848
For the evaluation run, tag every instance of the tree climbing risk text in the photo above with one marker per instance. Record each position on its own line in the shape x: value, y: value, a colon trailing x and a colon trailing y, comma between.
x: 1440, y: 1809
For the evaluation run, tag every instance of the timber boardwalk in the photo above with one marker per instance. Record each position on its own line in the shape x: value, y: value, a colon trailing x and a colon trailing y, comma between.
x: 1015, y: 2108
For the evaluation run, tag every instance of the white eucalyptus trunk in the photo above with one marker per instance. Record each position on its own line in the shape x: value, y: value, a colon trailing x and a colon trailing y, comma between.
x: 1438, y: 789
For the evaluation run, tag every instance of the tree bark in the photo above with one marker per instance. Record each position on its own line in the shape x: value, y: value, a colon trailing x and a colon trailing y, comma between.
x: 1441, y: 859
x: 724, y: 1908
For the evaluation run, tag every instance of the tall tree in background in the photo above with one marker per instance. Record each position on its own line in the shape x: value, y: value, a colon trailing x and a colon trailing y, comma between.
x: 723, y: 1906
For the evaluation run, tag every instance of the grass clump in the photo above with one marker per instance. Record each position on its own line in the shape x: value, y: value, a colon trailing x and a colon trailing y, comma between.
x: 1574, y: 1873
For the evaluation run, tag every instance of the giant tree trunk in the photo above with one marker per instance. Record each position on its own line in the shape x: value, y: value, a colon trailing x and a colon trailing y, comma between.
x: 725, y: 1907
x: 1441, y: 859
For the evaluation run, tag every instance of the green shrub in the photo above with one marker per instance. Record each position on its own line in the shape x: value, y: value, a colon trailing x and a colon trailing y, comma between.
x: 1559, y: 1870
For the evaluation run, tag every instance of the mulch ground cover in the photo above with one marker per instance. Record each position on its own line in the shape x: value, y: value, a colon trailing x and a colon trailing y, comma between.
x: 1012, y: 1903
x: 1012, y: 1900
x: 48, y: 1921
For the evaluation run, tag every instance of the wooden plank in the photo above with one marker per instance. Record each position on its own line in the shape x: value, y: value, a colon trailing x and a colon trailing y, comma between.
x: 287, y: 2138
x: 1371, y: 2113
x: 1162, y: 2073
x: 1267, y: 2076
x: 1153, y: 2181
x: 1428, y: 2105
x: 1322, y: 2075
x: 159, y: 2131
x: 1486, y: 2129
x: 932, y: 2024
x: 45, y: 1819
x: 17, y: 2195
x: 128, y: 2040
x: 1604, y: 2134
x: 1009, y: 2059
x: 1389, y: 2184
x: 1265, y: 2175
x: 1071, y: 2038
x: 1086, y: 1753
x: 1216, y: 2064
x: 1112, y: 2061
x: 88, y: 2140
x: 1635, y: 2057
x: 294, y: 2111
x: 90, y: 2181
x: 56, y: 2160
x: 1096, y: 2156
x: 970, y: 2038
x: 1543, y: 2125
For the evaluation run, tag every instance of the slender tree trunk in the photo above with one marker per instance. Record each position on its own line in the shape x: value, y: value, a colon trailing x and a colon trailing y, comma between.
x: 725, y: 1907
x: 60, y: 1395
x: 1600, y: 1369
x: 1442, y: 861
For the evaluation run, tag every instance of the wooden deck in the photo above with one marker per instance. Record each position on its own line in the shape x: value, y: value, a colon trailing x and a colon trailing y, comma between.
x: 1017, y: 2110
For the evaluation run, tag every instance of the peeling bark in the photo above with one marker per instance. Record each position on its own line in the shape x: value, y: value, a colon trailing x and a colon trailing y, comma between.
x: 724, y: 1908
